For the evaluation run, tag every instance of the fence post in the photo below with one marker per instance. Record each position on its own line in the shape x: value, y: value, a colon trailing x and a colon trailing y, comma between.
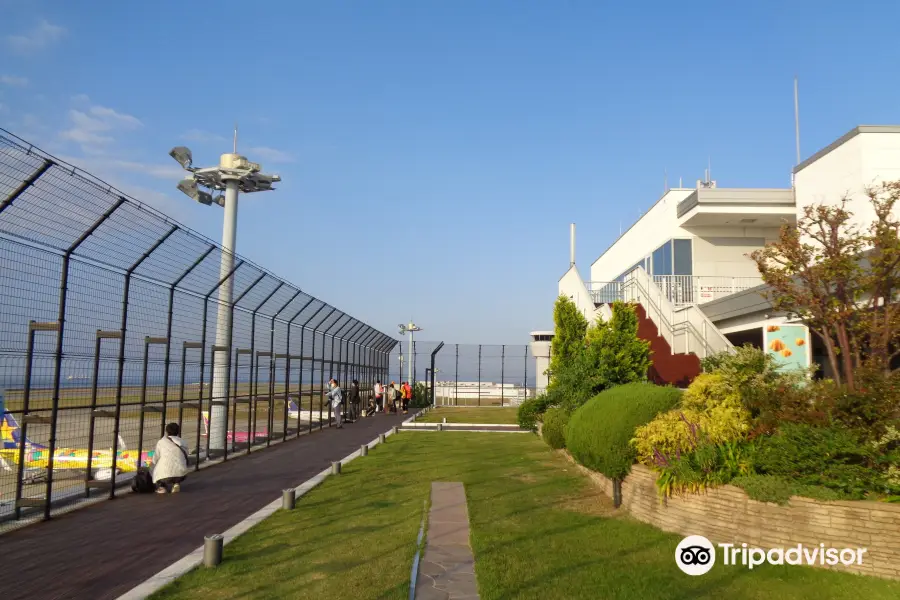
x: 148, y: 341
x: 502, y: 373
x: 253, y: 384
x: 321, y: 369
x: 214, y: 422
x: 336, y: 338
x: 270, y: 417
x: 456, y: 379
x: 227, y: 375
x: 433, y: 355
x: 121, y: 362
x: 287, y: 371
x: 168, y: 359
x: 479, y: 374
x: 60, y: 336
x: 525, y: 381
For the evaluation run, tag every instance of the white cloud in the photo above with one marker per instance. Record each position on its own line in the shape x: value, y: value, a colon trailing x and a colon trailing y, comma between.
x: 81, y: 99
x: 112, y: 168
x: 93, y: 129
x: 199, y: 136
x: 13, y: 81
x: 108, y: 115
x: 263, y: 153
x: 42, y: 36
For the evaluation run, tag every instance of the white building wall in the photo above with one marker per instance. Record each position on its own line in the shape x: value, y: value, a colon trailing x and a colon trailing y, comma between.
x: 659, y: 224
x: 572, y: 286
x: 726, y: 256
x: 866, y: 159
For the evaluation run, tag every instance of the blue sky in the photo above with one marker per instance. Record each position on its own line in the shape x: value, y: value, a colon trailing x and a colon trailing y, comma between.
x: 449, y: 145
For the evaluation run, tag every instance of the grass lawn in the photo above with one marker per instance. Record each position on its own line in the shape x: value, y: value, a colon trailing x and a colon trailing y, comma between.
x: 539, y: 530
x: 462, y: 414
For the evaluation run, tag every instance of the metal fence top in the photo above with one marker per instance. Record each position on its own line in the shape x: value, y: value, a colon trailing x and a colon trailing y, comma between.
x: 48, y: 203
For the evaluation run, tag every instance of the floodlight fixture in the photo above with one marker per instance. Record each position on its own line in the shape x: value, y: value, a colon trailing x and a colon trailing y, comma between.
x: 182, y: 156
x: 190, y: 189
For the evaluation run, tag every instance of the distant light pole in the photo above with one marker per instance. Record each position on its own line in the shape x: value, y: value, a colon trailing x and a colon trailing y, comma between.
x: 411, y: 328
x: 233, y: 175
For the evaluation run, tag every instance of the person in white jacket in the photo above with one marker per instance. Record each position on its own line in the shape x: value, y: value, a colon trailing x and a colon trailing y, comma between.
x: 336, y: 398
x: 379, y: 396
x: 170, y: 461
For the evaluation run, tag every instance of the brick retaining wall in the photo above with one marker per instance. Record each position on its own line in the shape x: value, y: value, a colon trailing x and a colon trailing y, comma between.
x: 726, y: 515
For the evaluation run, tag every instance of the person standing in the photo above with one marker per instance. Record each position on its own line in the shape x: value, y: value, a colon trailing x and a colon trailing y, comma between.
x: 404, y: 394
x: 336, y: 399
x: 379, y: 396
x: 354, y: 400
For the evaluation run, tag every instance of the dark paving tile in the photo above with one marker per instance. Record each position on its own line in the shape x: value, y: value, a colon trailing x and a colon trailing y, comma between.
x: 104, y: 550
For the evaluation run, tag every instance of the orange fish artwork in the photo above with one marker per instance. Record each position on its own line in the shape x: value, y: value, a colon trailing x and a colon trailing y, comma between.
x: 772, y: 328
x: 777, y: 346
x: 785, y: 353
x: 800, y: 342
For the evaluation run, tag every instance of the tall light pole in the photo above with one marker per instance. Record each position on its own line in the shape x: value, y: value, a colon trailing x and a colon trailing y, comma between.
x: 411, y: 328
x: 234, y: 174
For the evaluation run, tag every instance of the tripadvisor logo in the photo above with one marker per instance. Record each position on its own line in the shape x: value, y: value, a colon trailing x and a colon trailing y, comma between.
x: 696, y: 555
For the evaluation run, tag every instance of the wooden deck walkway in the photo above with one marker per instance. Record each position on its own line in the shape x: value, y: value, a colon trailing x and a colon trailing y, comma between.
x: 102, y: 551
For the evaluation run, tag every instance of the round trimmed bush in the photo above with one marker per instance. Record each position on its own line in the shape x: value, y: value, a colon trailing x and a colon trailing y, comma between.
x: 599, y: 433
x: 554, y: 429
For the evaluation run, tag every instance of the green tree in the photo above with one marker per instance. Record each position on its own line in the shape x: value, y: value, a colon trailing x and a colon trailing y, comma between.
x: 611, y: 353
x: 842, y: 280
x: 569, y: 328
x: 614, y: 354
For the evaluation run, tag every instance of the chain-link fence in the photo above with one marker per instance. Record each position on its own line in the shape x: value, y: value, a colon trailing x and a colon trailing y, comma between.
x: 113, y: 323
x: 468, y: 374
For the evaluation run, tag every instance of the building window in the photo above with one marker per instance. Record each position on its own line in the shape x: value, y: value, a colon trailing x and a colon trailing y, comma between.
x: 683, y: 261
x: 662, y: 259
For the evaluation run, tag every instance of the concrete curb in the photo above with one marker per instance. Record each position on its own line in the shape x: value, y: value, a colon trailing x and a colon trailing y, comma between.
x: 420, y: 424
x: 195, y: 558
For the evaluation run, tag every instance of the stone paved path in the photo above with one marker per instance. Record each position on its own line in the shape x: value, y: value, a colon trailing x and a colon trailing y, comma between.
x: 447, y: 570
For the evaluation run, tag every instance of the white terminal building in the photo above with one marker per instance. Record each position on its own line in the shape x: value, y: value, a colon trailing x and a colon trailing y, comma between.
x: 685, y: 261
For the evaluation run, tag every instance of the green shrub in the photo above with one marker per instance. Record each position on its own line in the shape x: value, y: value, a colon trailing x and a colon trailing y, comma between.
x: 770, y: 488
x: 678, y: 432
x: 710, y: 409
x: 554, y: 428
x: 598, y: 434
x: 709, y: 465
x: 709, y: 390
x: 609, y: 354
x: 526, y: 414
x: 832, y: 457
x: 531, y: 410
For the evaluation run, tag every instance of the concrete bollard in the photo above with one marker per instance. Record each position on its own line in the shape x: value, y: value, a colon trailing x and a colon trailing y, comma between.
x: 364, y: 450
x: 394, y: 430
x: 336, y: 468
x: 440, y: 426
x: 288, y: 499
x: 445, y: 420
x: 212, y: 550
x: 380, y: 438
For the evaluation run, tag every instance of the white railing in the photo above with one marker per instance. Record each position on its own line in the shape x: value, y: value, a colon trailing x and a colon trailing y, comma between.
x: 697, y: 289
x: 680, y: 290
x: 686, y: 328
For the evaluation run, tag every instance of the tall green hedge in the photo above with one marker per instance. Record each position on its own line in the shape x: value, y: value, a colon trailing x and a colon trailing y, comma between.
x: 599, y: 432
x: 554, y: 428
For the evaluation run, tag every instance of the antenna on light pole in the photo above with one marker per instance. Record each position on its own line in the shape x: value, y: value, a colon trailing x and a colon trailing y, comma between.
x: 797, y: 118
x: 234, y: 174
